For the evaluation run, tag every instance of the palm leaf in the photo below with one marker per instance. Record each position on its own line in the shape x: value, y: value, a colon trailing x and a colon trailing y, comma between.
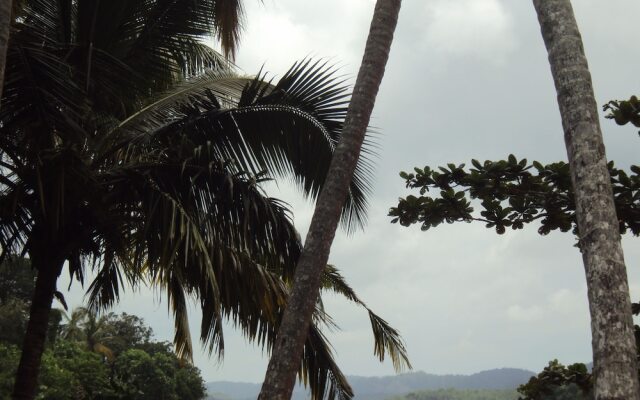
x: 387, y: 339
x: 271, y: 127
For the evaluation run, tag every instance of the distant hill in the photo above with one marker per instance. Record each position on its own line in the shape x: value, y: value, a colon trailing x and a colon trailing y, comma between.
x: 379, y: 388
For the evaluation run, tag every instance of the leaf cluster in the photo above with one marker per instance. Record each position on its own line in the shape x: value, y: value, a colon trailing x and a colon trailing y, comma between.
x: 510, y: 193
x: 624, y: 111
x: 556, y: 380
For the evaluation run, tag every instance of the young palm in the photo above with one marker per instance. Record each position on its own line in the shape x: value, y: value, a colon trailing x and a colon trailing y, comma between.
x: 167, y: 192
x: 85, y: 326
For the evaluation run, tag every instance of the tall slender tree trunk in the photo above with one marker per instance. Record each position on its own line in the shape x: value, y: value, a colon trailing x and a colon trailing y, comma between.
x: 33, y: 345
x: 287, y: 352
x: 614, y: 348
x: 5, y: 26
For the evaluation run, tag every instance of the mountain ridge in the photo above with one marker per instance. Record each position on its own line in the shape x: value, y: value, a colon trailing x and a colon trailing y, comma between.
x: 383, y: 387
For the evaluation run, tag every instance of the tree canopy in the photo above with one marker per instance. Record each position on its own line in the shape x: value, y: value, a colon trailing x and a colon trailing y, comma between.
x: 73, y: 367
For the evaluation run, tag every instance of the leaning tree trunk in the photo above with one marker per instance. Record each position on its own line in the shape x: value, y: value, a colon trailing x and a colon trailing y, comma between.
x: 287, y: 352
x: 5, y: 26
x: 614, y: 348
x: 36, y: 334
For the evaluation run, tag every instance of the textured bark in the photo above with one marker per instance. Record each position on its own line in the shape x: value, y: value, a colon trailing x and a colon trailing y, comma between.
x: 5, y: 26
x: 287, y: 353
x: 36, y: 333
x: 614, y: 349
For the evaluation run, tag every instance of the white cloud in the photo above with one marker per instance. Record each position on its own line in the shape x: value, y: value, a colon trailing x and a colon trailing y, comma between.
x: 525, y: 313
x: 276, y: 36
x: 478, y: 28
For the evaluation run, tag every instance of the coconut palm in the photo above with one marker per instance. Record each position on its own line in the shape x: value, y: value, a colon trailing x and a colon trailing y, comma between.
x: 72, y: 327
x: 85, y: 326
x: 280, y: 376
x: 130, y: 148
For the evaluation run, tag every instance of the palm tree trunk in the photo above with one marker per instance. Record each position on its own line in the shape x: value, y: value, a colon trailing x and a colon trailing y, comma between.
x: 5, y: 27
x: 287, y: 352
x: 614, y: 348
x: 36, y: 334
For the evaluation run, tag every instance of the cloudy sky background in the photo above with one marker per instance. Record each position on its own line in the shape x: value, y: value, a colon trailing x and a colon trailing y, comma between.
x: 466, y: 79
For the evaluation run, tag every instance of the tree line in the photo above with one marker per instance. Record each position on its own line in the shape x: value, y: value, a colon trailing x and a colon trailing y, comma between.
x: 89, y: 356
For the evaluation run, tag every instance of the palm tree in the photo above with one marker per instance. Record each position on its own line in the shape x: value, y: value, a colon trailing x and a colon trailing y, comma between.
x: 280, y: 376
x: 85, y: 326
x: 614, y: 348
x: 165, y: 191
x: 72, y: 328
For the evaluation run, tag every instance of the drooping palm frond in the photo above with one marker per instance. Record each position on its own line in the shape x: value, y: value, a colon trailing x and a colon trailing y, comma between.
x: 228, y: 18
x: 191, y: 253
x: 387, y: 340
x: 327, y: 382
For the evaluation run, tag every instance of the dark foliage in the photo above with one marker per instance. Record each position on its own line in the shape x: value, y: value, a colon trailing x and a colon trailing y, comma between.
x: 512, y: 192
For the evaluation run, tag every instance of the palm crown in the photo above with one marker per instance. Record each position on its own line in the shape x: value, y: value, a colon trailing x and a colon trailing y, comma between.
x: 129, y: 146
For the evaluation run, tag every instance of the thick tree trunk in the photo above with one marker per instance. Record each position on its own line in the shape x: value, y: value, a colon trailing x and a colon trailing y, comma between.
x: 614, y: 348
x: 5, y: 27
x: 287, y: 353
x: 33, y: 345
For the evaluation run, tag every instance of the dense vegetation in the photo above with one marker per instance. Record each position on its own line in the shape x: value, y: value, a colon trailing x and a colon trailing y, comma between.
x: 457, y: 394
x: 87, y: 356
x: 559, y: 382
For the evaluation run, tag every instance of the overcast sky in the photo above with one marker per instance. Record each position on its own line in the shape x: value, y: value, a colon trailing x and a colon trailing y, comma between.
x: 466, y: 79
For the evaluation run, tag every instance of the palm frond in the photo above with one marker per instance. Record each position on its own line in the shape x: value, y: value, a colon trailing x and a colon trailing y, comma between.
x: 319, y: 370
x: 387, y: 340
x: 228, y: 18
x: 269, y: 127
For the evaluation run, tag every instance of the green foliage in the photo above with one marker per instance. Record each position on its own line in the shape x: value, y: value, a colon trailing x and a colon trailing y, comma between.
x: 142, y: 376
x: 460, y: 394
x: 557, y: 382
x: 9, y: 358
x: 512, y: 192
x: 17, y: 280
x: 90, y: 371
x: 75, y: 365
x: 70, y: 371
x: 624, y: 111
